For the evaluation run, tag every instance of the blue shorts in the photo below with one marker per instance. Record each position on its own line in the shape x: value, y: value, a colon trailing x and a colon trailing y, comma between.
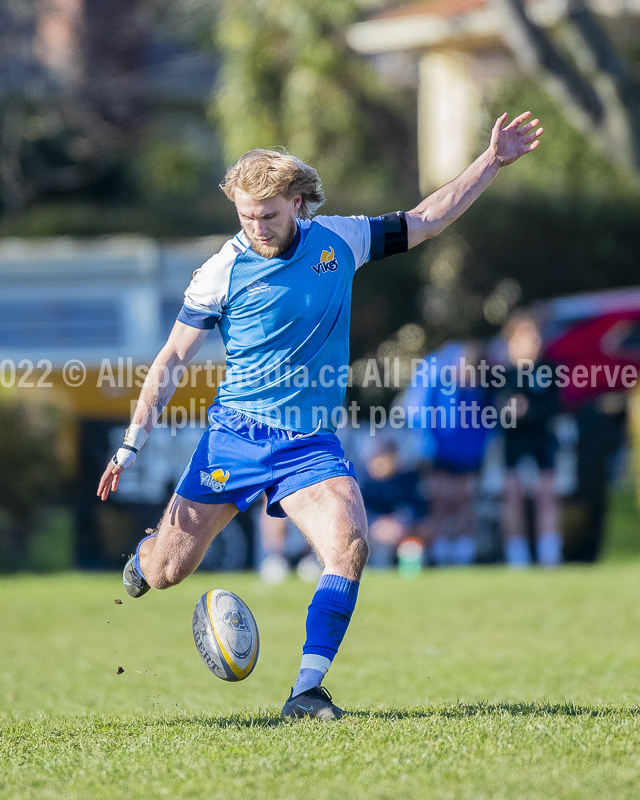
x: 238, y: 458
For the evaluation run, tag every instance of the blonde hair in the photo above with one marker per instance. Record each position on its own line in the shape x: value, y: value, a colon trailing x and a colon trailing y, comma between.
x: 267, y: 173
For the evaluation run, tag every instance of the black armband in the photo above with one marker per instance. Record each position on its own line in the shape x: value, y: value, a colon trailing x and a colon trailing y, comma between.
x: 388, y: 235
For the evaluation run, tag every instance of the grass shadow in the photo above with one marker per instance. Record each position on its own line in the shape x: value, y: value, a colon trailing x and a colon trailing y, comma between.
x: 483, y: 708
x: 237, y: 720
x: 264, y: 719
x: 247, y: 719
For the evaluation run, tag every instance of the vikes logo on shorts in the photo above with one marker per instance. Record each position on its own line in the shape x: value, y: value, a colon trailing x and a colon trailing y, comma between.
x: 216, y: 480
x: 328, y: 262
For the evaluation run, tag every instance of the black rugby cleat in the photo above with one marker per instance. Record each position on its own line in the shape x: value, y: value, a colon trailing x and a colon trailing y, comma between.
x: 134, y: 584
x: 314, y: 702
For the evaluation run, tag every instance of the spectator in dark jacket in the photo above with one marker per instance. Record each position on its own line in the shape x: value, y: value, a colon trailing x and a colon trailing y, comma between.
x: 535, y: 399
x: 395, y: 507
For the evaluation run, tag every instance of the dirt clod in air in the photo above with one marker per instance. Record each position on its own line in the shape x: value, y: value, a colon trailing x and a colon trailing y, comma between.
x: 119, y: 671
x: 118, y: 601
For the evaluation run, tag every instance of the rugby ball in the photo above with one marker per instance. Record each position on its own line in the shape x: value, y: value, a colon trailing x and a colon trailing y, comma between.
x: 226, y: 635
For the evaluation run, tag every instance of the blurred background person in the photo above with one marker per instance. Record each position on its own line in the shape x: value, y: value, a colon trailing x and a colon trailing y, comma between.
x: 273, y: 565
x: 395, y: 507
x: 454, y: 444
x: 535, y: 400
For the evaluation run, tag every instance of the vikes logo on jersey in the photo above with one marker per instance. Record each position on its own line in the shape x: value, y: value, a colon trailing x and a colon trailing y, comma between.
x: 216, y: 480
x: 328, y: 262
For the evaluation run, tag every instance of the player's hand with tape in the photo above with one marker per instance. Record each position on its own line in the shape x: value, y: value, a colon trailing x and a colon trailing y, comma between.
x: 134, y: 438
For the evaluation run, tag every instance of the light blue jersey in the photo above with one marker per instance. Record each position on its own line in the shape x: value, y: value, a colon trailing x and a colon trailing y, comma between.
x: 285, y: 321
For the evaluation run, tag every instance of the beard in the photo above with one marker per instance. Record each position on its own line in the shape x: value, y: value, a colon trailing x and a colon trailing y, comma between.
x: 282, y: 243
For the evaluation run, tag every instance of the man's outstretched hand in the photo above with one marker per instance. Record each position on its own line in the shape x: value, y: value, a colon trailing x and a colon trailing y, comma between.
x: 109, y: 480
x: 509, y: 142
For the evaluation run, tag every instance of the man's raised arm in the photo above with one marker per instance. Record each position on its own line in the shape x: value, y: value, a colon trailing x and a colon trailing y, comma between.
x: 158, y: 388
x: 508, y: 144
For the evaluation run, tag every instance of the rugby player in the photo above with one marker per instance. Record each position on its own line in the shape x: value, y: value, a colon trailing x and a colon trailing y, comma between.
x: 280, y: 293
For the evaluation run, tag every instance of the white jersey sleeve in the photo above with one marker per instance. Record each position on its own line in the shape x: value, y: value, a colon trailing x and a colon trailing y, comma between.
x: 208, y: 291
x: 355, y: 231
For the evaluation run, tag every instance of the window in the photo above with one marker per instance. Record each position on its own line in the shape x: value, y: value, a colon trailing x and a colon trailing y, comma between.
x: 60, y: 323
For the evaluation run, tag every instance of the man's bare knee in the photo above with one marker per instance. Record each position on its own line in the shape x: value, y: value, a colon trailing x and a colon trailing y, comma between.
x: 184, y: 533
x: 165, y: 576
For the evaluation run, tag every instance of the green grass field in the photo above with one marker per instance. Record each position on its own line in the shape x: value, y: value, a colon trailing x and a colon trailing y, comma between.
x: 479, y: 683
x: 463, y: 684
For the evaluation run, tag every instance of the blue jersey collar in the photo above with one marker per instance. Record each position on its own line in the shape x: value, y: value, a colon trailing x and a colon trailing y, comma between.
x: 288, y: 254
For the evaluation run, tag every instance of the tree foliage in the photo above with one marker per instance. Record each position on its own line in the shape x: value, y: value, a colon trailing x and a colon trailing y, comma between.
x: 591, y: 81
x: 65, y: 128
x: 289, y: 79
x: 32, y: 473
x: 95, y: 137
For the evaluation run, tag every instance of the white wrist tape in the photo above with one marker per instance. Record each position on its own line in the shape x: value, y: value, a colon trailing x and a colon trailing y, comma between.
x: 135, y: 437
x: 124, y: 458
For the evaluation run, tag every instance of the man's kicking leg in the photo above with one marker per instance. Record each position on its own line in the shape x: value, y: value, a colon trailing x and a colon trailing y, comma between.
x: 332, y: 517
x: 168, y: 556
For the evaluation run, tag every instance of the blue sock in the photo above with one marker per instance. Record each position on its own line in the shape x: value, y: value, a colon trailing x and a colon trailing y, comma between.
x: 136, y: 561
x: 328, y: 618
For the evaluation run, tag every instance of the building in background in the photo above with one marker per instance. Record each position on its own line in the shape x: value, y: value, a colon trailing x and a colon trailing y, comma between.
x: 467, y: 47
x: 101, y: 102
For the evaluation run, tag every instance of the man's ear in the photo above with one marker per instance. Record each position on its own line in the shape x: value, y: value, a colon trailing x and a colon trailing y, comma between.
x: 297, y: 202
